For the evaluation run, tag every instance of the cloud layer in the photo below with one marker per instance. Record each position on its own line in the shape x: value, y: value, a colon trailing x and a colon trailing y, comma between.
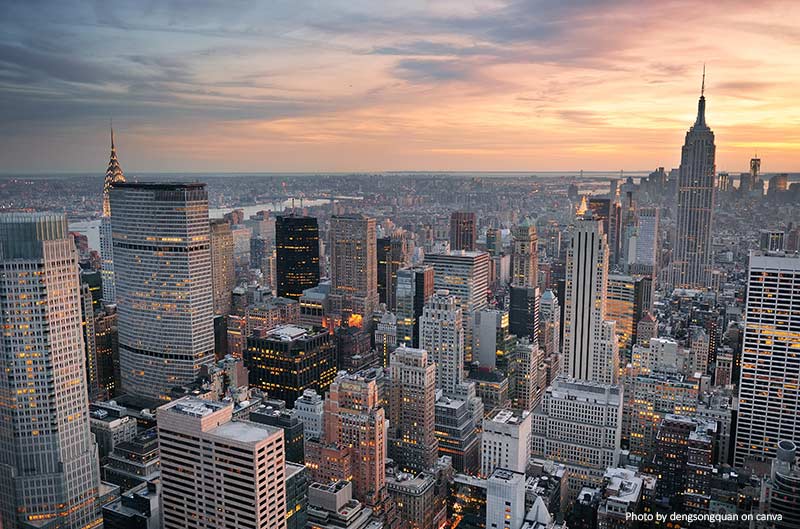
x: 316, y: 85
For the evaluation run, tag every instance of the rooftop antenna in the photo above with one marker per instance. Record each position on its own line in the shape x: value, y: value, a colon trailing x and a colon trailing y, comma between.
x: 111, y: 126
x: 703, y: 85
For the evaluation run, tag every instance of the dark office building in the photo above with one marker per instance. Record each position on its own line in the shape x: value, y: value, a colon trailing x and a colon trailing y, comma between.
x: 392, y: 255
x: 523, y: 315
x: 463, y: 231
x: 296, y: 255
x: 287, y: 360
x: 414, y: 289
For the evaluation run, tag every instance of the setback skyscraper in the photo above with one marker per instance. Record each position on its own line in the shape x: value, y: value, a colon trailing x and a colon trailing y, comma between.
x: 354, y: 268
x: 692, y: 258
x: 463, y: 231
x: 413, y: 409
x: 48, y: 456
x: 163, y: 282
x: 590, y: 342
x: 296, y: 255
x: 114, y: 175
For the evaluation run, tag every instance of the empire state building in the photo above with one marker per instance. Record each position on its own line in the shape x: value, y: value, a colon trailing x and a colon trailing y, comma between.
x: 692, y: 259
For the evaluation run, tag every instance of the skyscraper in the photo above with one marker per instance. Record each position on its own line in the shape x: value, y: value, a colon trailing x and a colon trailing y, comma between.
x: 354, y: 268
x: 48, y: 456
x: 466, y: 276
x: 646, y: 255
x: 392, y: 255
x: 696, y: 194
x: 353, y: 444
x: 608, y: 211
x: 414, y: 289
x: 442, y: 335
x: 162, y: 262
x: 286, y: 361
x: 223, y: 274
x: 463, y: 231
x: 114, y: 175
x: 296, y: 254
x: 590, y: 342
x: 413, y: 410
x: 628, y: 298
x: 769, y: 398
x: 217, y: 472
x: 524, y: 255
x: 579, y: 424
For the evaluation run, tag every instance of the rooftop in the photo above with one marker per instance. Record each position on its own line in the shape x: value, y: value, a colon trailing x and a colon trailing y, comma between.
x: 244, y: 431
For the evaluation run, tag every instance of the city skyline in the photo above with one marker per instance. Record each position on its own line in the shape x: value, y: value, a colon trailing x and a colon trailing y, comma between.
x: 360, y: 349
x: 492, y: 85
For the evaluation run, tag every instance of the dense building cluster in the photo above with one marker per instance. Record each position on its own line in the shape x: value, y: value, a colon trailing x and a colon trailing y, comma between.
x: 405, y: 351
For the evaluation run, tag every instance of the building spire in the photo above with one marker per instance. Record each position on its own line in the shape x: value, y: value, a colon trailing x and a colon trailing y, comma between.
x: 701, y: 105
x: 114, y: 174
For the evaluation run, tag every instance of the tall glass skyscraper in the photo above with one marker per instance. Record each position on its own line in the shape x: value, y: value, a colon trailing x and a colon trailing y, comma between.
x: 696, y: 193
x: 296, y: 255
x: 162, y: 263
x: 48, y: 456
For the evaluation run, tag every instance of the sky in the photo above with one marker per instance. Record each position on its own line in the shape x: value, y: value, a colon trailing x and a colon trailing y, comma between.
x: 373, y: 85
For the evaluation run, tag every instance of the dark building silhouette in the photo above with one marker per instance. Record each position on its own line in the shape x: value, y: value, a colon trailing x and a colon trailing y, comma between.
x: 296, y: 255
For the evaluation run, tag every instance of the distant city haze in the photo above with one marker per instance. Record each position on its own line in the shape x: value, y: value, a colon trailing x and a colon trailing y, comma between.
x: 345, y: 86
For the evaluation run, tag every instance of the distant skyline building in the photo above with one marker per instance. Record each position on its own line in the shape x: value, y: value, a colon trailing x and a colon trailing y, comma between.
x: 692, y: 258
x: 49, y: 469
x: 525, y: 255
x: 768, y: 386
x: 647, y: 243
x: 392, y: 256
x: 463, y: 231
x: 162, y: 263
x: 113, y: 176
x: 590, y: 341
x: 354, y: 268
x: 223, y: 274
x: 296, y: 255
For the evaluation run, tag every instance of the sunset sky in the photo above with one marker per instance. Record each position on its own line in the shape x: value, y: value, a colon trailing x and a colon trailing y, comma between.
x: 368, y: 85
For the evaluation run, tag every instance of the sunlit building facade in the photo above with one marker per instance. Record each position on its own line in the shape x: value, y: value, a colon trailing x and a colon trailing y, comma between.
x: 354, y: 268
x: 223, y: 274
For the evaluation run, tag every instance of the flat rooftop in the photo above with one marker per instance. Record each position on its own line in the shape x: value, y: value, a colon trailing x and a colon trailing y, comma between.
x: 244, y: 431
